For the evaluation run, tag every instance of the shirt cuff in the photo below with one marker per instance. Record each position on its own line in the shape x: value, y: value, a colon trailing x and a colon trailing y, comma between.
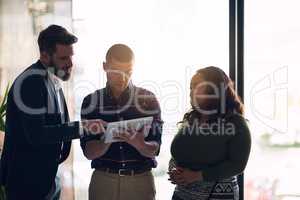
x: 81, y: 131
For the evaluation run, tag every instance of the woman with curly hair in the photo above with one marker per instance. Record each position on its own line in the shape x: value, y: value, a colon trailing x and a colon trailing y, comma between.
x: 213, y: 142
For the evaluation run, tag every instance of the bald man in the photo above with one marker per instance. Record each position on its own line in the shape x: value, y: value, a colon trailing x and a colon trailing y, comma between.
x: 122, y: 170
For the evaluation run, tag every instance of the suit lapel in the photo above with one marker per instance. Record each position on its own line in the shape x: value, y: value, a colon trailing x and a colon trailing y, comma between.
x: 52, y: 97
x: 65, y: 114
x: 53, y: 107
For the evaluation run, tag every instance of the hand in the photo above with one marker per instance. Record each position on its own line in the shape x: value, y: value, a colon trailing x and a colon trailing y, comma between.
x: 94, y: 126
x: 183, y: 176
x: 132, y: 137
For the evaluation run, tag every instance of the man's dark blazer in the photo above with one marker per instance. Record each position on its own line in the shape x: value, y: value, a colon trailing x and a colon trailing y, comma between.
x: 37, y: 135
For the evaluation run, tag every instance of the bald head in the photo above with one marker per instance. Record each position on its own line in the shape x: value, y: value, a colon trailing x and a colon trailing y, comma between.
x: 120, y: 53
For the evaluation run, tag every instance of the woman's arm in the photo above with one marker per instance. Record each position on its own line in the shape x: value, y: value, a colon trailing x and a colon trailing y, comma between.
x: 238, y: 153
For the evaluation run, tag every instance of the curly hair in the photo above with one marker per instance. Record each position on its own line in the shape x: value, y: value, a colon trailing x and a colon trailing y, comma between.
x: 228, y: 102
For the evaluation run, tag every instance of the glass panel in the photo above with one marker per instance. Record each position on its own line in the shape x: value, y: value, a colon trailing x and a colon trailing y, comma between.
x: 272, y: 98
x: 171, y: 39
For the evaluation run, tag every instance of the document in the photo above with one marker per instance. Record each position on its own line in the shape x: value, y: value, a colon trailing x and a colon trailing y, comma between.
x: 113, y: 129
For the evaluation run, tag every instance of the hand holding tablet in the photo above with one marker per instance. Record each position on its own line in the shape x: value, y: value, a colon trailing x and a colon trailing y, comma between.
x: 127, y: 127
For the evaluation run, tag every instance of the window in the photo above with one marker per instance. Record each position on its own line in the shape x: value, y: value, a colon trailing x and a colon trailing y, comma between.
x: 171, y: 39
x: 272, y: 98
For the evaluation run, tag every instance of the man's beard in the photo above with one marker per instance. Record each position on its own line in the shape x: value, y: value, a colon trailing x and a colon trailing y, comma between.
x: 60, y: 73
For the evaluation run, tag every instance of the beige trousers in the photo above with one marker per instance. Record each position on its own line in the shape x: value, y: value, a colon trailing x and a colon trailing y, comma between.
x: 108, y: 186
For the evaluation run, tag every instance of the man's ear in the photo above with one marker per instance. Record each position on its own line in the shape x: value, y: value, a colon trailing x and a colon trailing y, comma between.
x: 104, y: 64
x: 44, y: 56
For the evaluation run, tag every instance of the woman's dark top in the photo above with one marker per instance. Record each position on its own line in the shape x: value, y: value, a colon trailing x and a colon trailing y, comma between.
x: 219, y: 148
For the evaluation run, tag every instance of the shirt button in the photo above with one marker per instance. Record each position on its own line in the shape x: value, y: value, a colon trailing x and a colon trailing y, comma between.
x: 123, y: 165
x: 121, y: 147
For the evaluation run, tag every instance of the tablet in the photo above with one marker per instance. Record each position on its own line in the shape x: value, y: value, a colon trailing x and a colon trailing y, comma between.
x: 114, y: 128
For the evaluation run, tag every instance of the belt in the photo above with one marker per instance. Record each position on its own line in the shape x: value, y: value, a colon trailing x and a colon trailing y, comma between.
x: 124, y: 172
